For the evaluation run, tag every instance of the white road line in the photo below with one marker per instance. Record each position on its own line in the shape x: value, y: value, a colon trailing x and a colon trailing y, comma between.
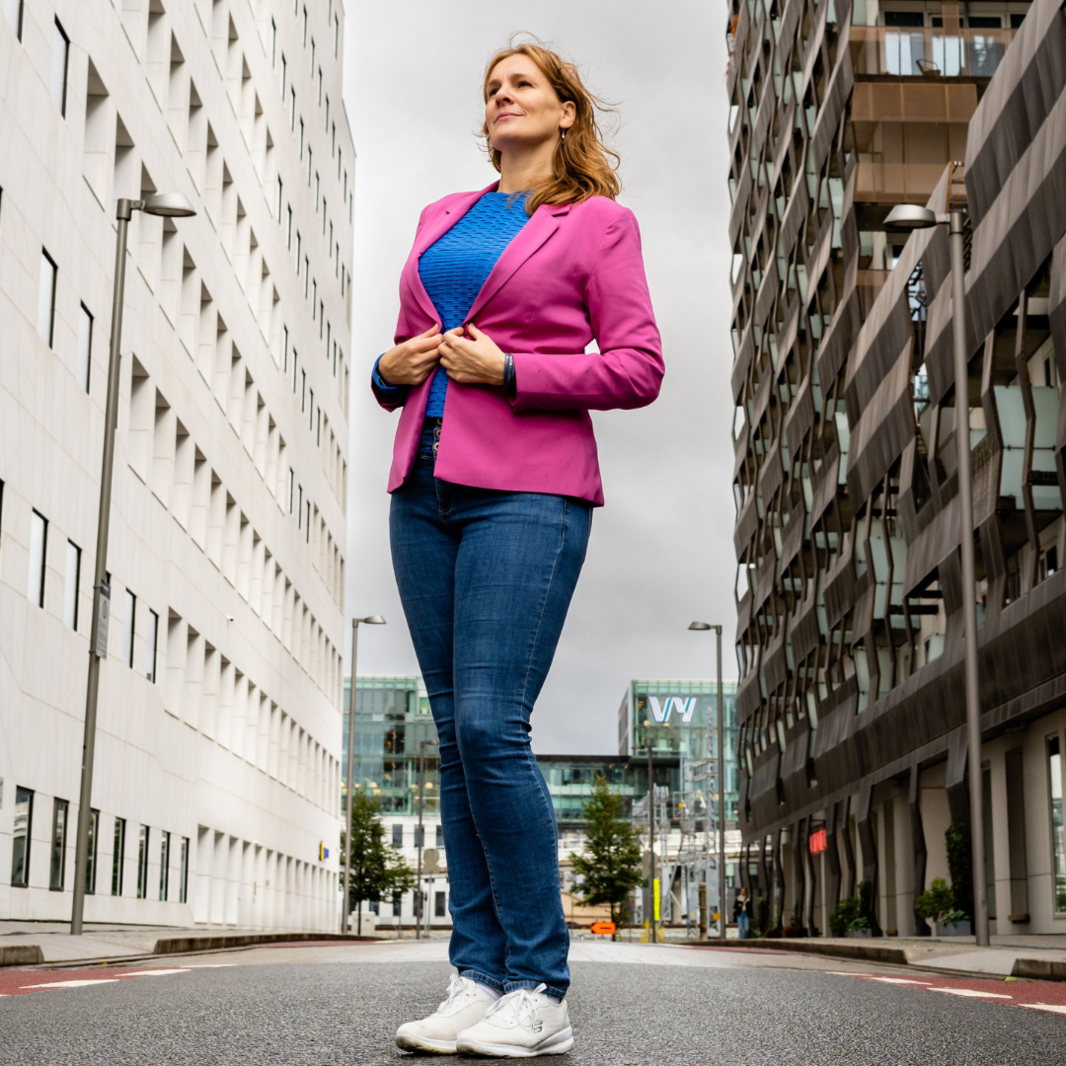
x: 74, y: 984
x: 971, y: 993
x: 1057, y: 1008
x: 152, y: 973
x: 900, y: 981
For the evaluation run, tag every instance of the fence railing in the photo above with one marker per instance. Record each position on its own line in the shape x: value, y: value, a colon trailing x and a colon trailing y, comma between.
x: 928, y: 52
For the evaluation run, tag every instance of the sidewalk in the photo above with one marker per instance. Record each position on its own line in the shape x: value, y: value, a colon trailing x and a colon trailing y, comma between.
x: 32, y: 943
x: 1007, y: 956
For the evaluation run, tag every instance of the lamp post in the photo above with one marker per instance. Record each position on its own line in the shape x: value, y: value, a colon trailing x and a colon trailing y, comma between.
x: 651, y: 833
x: 912, y: 217
x: 704, y: 627
x: 421, y: 831
x: 372, y: 620
x: 165, y: 205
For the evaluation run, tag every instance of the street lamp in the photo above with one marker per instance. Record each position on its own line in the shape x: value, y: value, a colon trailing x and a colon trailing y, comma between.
x: 421, y: 830
x: 372, y: 620
x: 704, y: 627
x: 651, y: 833
x: 912, y: 217
x: 167, y: 205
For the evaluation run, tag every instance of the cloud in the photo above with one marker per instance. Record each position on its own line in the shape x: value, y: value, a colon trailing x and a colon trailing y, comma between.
x: 661, y: 552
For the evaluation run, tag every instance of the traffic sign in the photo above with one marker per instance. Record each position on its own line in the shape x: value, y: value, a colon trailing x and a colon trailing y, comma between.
x: 603, y: 928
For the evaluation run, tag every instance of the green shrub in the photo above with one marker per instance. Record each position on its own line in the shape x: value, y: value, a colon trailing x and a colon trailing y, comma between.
x: 936, y: 901
x: 847, y: 911
x: 960, y: 866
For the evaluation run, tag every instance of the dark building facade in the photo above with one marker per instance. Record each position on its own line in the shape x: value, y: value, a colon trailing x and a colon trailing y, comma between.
x: 850, y: 703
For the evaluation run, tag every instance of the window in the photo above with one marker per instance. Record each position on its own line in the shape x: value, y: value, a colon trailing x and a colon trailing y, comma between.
x: 301, y: 138
x: 284, y: 74
x: 183, y: 872
x: 311, y: 410
x: 38, y: 550
x: 439, y: 906
x: 420, y: 836
x: 142, y: 863
x: 85, y: 347
x: 21, y: 835
x: 153, y: 646
x: 13, y: 11
x: 118, y: 856
x: 288, y: 231
x: 164, y: 865
x: 303, y: 391
x: 300, y: 506
x: 336, y: 36
x: 397, y: 835
x: 318, y: 190
x: 314, y: 299
x: 305, y: 25
x: 46, y: 299
x: 73, y: 583
x: 281, y: 189
x: 307, y: 276
x: 292, y: 110
x: 60, y: 57
x: 295, y: 359
x: 129, y: 628
x: 1058, y: 840
x: 310, y: 156
x: 273, y: 43
x: 327, y: 115
x: 57, y: 869
x: 291, y: 483
x: 90, y: 858
x: 299, y: 247
x: 440, y: 836
x: 319, y: 77
x: 318, y: 431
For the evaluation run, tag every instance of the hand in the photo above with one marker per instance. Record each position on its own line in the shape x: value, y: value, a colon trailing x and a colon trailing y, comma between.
x: 473, y: 360
x: 413, y: 361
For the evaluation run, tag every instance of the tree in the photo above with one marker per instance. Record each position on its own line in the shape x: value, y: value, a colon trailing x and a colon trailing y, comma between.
x: 610, y: 862
x: 378, y: 869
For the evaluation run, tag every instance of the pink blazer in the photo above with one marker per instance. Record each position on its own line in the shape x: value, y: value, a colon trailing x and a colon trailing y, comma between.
x: 573, y: 274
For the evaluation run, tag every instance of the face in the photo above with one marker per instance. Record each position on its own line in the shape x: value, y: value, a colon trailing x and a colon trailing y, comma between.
x: 521, y: 109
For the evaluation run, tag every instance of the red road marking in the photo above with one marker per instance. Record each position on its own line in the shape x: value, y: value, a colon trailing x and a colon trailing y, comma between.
x: 22, y: 982
x: 1037, y: 995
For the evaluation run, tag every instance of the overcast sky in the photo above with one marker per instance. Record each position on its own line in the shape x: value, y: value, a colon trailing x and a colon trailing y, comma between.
x: 661, y: 552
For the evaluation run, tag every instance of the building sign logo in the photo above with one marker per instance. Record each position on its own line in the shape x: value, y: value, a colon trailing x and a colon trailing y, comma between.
x: 684, y: 707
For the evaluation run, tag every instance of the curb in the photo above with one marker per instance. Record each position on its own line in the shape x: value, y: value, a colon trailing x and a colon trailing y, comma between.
x: 20, y: 955
x: 867, y: 952
x: 181, y: 945
x: 1041, y: 969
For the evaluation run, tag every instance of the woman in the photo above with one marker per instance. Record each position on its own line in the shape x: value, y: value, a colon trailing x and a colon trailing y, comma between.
x: 742, y: 913
x: 494, y: 479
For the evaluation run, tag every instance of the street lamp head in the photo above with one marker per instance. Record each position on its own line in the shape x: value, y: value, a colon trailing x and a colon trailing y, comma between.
x: 168, y: 205
x: 701, y: 626
x: 373, y: 620
x: 910, y: 216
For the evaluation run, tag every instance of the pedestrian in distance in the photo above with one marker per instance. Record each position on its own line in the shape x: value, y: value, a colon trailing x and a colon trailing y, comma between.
x: 742, y: 913
x: 494, y: 479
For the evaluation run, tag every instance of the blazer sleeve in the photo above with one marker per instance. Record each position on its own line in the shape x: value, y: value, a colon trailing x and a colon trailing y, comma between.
x: 628, y: 369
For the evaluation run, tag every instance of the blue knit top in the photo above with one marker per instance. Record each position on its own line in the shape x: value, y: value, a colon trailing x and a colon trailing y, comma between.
x: 454, y: 269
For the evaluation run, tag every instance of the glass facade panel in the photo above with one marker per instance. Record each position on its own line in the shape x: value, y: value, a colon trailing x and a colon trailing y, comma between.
x: 118, y: 856
x: 164, y: 865
x: 90, y: 867
x: 57, y: 868
x: 20, y: 837
x: 142, y: 863
x: 1058, y: 835
x: 183, y: 886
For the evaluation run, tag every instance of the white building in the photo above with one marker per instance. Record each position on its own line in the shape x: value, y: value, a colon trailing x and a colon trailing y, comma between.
x: 217, y: 759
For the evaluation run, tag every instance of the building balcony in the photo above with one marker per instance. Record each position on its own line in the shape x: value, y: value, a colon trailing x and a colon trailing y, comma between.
x: 927, y: 52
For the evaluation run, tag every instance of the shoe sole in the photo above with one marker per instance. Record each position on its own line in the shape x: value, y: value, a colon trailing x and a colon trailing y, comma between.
x: 559, y: 1044
x: 412, y: 1042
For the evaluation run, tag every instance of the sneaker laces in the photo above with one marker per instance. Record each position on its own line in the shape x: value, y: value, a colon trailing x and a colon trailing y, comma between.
x: 458, y: 992
x: 517, y: 1006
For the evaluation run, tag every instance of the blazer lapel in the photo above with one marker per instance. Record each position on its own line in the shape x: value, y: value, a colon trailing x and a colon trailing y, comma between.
x: 432, y: 233
x: 530, y: 237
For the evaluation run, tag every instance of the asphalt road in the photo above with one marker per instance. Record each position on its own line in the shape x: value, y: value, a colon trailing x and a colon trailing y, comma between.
x: 320, y: 1006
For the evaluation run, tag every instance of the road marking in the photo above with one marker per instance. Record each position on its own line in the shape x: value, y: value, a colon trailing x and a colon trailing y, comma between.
x: 74, y: 984
x: 1057, y: 1008
x: 971, y: 993
x: 152, y: 973
x: 900, y: 981
x: 209, y: 965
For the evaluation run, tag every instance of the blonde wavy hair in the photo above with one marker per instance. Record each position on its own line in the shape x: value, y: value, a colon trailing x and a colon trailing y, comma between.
x: 583, y: 166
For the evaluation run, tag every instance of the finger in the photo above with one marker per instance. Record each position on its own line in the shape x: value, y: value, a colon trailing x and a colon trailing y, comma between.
x: 475, y: 333
x: 435, y: 328
x: 457, y: 332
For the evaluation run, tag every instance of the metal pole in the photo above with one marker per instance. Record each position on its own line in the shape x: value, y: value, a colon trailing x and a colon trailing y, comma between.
x: 969, y: 580
x: 420, y: 841
x: 101, y: 589
x: 345, y: 895
x: 651, y: 838
x: 721, y: 794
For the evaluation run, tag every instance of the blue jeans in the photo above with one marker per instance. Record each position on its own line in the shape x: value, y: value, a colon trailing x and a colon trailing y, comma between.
x: 742, y: 925
x: 486, y: 578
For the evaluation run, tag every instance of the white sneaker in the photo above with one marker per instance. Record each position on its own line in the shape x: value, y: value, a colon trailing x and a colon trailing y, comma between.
x: 520, y: 1025
x: 465, y: 1005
